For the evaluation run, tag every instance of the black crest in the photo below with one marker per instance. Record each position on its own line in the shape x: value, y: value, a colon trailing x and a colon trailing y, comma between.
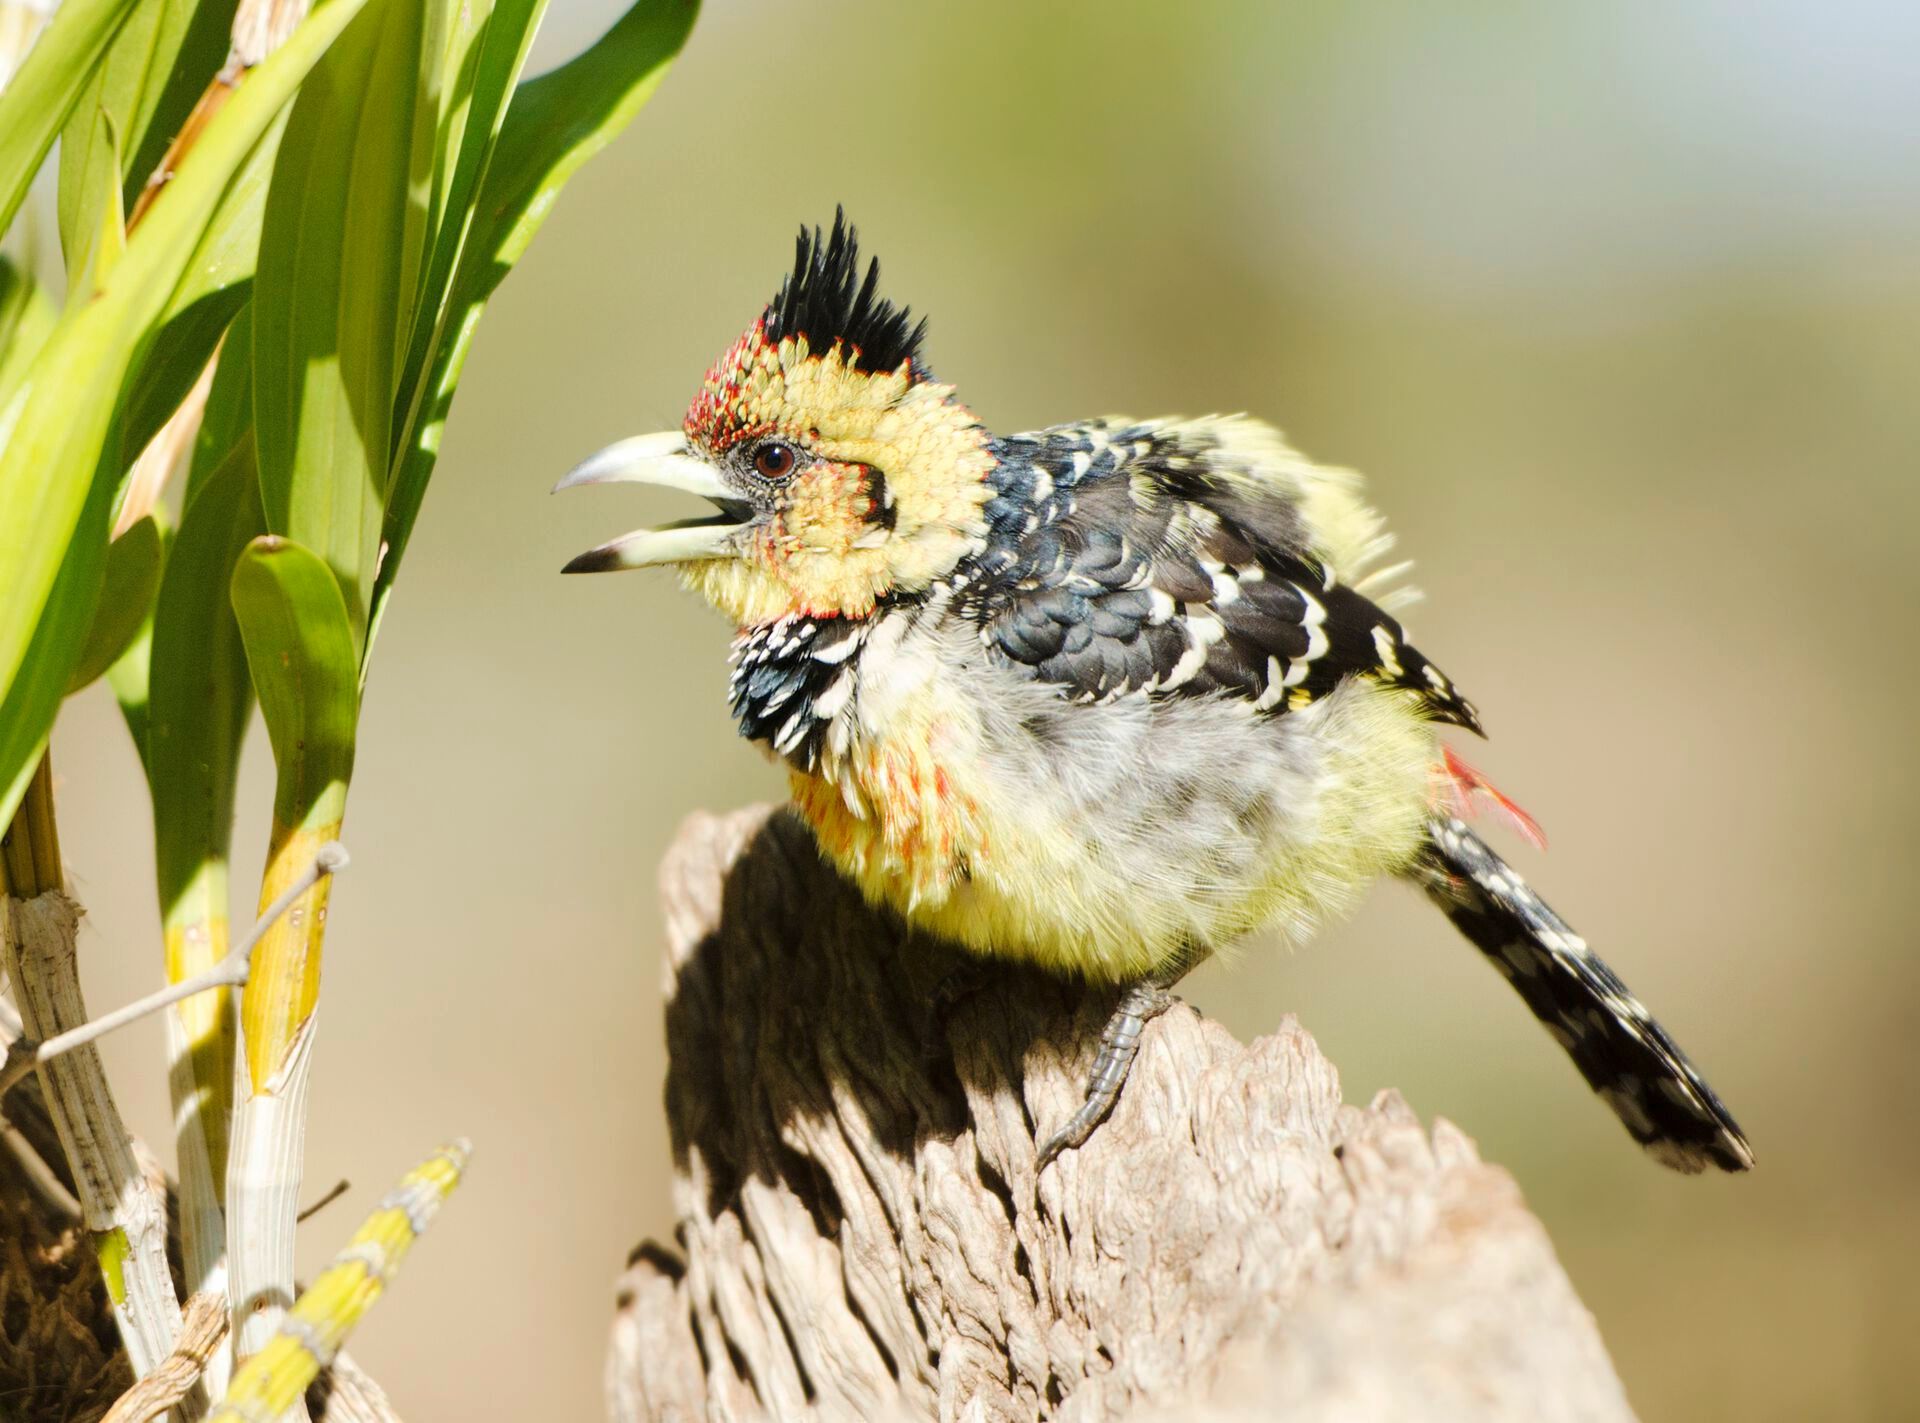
x: 822, y: 300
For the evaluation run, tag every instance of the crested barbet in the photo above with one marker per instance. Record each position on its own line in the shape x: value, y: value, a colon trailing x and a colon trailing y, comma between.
x: 1104, y: 697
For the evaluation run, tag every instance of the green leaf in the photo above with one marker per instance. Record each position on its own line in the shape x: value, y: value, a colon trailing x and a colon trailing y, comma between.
x: 134, y: 562
x: 185, y: 58
x: 159, y: 63
x: 38, y: 99
x: 555, y: 124
x: 128, y: 678
x: 486, y: 62
x: 91, y: 259
x: 26, y: 319
x: 300, y: 650
x: 486, y: 46
x: 111, y: 242
x: 304, y: 657
x: 199, y: 698
x: 561, y: 119
x: 33, y: 696
x: 339, y: 247
x: 228, y: 418
x: 218, y: 282
x: 128, y: 673
x: 55, y: 487
x: 199, y: 690
x: 129, y: 682
x: 434, y: 25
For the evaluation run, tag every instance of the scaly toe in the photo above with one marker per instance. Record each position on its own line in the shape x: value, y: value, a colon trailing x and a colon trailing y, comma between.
x: 1077, y: 1131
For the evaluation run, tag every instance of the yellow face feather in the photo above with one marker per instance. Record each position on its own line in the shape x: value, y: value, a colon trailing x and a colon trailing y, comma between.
x: 878, y: 438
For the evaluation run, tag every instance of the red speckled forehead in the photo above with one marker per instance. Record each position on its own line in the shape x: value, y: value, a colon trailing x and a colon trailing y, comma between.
x: 732, y: 404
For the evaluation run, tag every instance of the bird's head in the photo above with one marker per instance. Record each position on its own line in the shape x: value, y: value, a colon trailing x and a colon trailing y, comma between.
x: 841, y: 470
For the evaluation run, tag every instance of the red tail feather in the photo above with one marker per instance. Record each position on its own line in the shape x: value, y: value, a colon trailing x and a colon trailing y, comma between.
x: 1461, y: 783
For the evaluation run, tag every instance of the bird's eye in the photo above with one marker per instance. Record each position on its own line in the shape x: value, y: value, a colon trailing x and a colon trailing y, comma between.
x: 775, y: 460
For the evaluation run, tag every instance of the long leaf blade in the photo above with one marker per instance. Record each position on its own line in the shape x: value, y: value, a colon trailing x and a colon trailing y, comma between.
x: 157, y: 66
x: 330, y: 292
x: 131, y: 581
x: 487, y: 61
x: 218, y: 281
x: 26, y: 320
x: 555, y: 123
x: 199, y: 696
x: 304, y: 659
x: 55, y: 486
x: 38, y: 99
x: 560, y: 119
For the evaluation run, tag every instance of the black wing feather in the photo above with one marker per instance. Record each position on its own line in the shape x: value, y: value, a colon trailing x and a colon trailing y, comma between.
x: 1121, y: 562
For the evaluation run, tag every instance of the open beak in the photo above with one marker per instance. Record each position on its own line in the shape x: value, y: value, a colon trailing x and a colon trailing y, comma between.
x: 660, y: 459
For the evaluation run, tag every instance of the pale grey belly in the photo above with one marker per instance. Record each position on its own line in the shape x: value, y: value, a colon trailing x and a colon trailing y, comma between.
x: 1105, y: 838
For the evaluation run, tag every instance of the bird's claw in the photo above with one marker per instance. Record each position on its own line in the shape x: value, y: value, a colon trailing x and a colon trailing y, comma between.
x: 1119, y: 1046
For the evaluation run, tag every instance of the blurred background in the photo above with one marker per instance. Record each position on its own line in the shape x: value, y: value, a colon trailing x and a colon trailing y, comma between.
x: 1617, y: 306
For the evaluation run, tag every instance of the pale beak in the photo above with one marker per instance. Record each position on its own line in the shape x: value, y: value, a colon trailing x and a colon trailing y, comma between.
x: 664, y: 460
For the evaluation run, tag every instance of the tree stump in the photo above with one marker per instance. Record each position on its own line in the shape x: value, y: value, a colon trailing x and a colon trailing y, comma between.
x: 862, y: 1233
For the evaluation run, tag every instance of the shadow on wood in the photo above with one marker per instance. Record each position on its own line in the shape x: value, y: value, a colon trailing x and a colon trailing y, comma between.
x: 862, y: 1233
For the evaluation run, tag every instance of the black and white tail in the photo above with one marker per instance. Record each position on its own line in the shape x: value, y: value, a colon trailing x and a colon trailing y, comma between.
x: 1622, y: 1052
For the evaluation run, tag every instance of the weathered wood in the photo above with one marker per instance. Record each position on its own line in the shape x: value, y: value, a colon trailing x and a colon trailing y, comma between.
x: 862, y: 1234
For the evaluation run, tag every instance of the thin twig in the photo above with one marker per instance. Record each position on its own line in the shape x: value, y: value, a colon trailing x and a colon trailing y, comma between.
x: 339, y: 1189
x: 23, y: 1055
x: 203, y: 1325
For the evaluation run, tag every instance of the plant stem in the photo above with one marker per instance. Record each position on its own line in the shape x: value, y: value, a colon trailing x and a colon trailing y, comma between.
x: 124, y: 1213
x: 201, y: 1034
x: 263, y: 1184
x: 272, y: 1382
x: 278, y: 1021
x: 232, y: 971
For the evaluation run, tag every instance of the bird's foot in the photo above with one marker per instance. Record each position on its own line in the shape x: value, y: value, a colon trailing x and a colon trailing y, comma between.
x: 1119, y: 1045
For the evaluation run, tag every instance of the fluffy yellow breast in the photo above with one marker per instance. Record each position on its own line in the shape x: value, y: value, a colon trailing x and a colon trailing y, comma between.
x: 1215, y: 821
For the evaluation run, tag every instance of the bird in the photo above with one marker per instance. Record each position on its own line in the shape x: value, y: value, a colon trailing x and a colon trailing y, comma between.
x: 1105, y: 697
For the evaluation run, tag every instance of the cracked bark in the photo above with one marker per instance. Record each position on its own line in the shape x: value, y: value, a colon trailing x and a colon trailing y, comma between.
x: 862, y: 1233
